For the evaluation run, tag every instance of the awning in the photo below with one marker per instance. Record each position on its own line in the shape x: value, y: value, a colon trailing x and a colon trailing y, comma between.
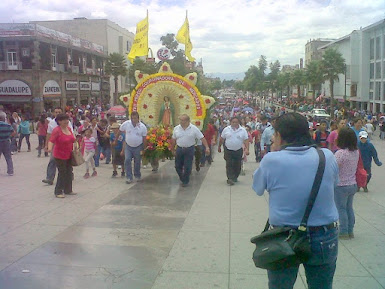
x: 11, y: 99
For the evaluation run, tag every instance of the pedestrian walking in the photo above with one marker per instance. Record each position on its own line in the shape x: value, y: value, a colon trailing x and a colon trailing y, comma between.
x: 368, y: 153
x: 321, y: 135
x: 104, y: 146
x: 24, y: 132
x: 117, y: 138
x: 89, y: 148
x: 61, y: 145
x: 135, y: 142
x: 184, y: 137
x: 233, y: 137
x: 42, y: 127
x: 347, y: 159
x: 288, y: 197
x: 333, y: 136
x: 6, y: 132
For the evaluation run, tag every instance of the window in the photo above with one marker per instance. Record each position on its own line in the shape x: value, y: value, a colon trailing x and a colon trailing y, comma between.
x: 53, y: 59
x: 383, y: 92
x: 128, y: 46
x: 371, y: 85
x: 371, y: 95
x: 378, y: 69
x: 371, y: 70
x: 378, y: 48
x: 25, y: 52
x: 377, y: 93
x: 372, y: 48
x: 11, y: 58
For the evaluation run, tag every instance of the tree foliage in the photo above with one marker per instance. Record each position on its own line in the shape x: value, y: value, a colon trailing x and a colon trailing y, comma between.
x: 314, y: 75
x: 116, y: 66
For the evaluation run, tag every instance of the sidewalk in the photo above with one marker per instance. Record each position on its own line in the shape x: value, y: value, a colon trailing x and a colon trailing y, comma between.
x: 156, y: 234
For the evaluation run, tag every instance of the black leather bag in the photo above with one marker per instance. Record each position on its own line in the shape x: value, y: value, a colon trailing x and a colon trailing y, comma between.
x: 286, y: 247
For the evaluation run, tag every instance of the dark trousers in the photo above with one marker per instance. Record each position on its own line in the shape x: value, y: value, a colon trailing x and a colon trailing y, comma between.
x: 369, y: 172
x: 233, y: 163
x: 51, y: 169
x: 5, y: 149
x: 257, y: 150
x: 183, y: 163
x: 41, y: 145
x: 26, y: 136
x: 205, y: 158
x: 64, y: 178
x: 198, y: 157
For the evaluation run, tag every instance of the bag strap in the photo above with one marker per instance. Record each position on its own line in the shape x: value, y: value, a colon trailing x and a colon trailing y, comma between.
x: 314, y: 189
x: 313, y: 193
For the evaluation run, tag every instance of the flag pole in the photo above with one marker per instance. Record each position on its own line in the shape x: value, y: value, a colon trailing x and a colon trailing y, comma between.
x: 147, y: 32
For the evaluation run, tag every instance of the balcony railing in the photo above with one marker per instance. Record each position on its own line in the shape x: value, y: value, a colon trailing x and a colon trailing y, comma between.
x: 4, y: 65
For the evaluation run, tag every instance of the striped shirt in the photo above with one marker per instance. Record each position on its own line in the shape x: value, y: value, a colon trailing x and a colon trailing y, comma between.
x: 5, y: 131
x: 89, y: 143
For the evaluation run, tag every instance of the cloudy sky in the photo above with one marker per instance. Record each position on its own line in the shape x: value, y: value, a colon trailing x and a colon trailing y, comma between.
x: 229, y: 35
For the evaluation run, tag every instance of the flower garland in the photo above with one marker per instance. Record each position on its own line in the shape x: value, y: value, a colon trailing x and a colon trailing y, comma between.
x: 158, y: 143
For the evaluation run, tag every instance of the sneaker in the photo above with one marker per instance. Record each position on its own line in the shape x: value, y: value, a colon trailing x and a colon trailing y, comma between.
x: 114, y: 174
x: 235, y: 180
x: 123, y: 174
x: 94, y: 174
x: 11, y: 174
x: 49, y: 182
x: 154, y: 170
x: 138, y: 180
x: 129, y: 182
x: 230, y: 182
x: 145, y: 167
x: 86, y: 176
x: 61, y: 196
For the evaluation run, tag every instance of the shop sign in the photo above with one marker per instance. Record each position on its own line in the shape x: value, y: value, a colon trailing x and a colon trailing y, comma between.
x: 14, y: 87
x: 95, y: 86
x: 85, y: 85
x: 72, y: 85
x: 51, y: 88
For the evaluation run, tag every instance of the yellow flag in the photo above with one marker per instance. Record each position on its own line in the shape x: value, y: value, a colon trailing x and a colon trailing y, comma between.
x: 183, y: 36
x: 140, y: 45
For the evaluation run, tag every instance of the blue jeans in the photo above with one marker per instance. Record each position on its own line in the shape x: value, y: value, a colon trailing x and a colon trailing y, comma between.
x: 5, y: 149
x: 319, y: 269
x: 343, y: 197
x: 51, y: 168
x: 133, y: 153
x: 106, y: 151
x: 183, y: 163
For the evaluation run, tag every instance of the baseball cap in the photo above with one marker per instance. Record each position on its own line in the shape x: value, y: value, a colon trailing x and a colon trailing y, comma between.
x: 363, y: 134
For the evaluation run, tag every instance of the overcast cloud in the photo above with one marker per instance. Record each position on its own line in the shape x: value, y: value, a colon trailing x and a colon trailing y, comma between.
x: 229, y: 35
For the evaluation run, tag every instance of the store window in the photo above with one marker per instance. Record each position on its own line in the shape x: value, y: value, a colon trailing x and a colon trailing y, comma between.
x: 371, y: 95
x: 377, y: 91
x: 371, y: 85
x: 378, y: 70
x: 371, y: 70
x: 11, y: 58
x: 378, y: 48
x: 371, y: 48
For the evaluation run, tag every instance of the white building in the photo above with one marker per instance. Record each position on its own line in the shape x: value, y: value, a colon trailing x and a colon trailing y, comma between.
x: 364, y: 82
x: 114, y: 38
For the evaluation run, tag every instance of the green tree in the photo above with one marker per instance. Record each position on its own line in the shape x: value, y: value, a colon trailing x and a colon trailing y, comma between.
x: 143, y: 66
x: 116, y: 66
x: 314, y: 76
x: 332, y: 64
x: 262, y: 64
x: 170, y: 42
x: 297, y: 79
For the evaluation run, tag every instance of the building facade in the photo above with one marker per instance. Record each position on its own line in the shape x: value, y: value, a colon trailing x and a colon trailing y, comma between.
x: 364, y: 80
x: 104, y: 32
x: 41, y: 68
x: 311, y: 49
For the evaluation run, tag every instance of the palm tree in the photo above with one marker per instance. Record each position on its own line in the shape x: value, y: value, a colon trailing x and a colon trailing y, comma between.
x: 332, y: 64
x: 115, y: 66
x: 297, y: 79
x: 314, y: 75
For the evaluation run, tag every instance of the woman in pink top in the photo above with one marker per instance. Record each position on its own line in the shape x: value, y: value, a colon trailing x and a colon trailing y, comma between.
x: 332, y: 138
x: 42, y: 127
x: 347, y: 159
x: 89, y: 148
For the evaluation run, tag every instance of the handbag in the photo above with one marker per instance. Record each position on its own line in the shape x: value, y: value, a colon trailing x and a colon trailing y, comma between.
x: 76, y: 156
x: 361, y: 174
x: 285, y: 247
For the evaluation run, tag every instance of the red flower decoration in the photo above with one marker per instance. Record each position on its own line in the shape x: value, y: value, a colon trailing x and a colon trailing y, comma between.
x: 191, y: 77
x: 144, y: 106
x: 187, y: 106
x: 150, y: 94
x: 207, y: 100
x: 165, y: 68
x: 125, y: 99
x: 198, y: 123
x: 150, y: 116
x: 181, y: 96
x: 140, y: 75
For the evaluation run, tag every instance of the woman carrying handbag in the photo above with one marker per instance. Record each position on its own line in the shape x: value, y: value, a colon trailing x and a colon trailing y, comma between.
x: 288, y: 174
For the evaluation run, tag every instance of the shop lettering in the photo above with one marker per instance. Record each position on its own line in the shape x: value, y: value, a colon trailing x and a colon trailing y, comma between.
x: 72, y: 85
x: 85, y: 85
x: 15, y: 90
x: 51, y: 89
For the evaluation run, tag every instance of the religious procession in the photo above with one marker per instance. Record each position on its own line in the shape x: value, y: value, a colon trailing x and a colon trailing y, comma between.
x: 176, y: 186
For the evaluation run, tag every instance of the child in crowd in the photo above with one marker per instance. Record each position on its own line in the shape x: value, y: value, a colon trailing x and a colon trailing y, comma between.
x: 368, y: 152
x: 321, y: 135
x: 89, y: 148
x: 117, y: 139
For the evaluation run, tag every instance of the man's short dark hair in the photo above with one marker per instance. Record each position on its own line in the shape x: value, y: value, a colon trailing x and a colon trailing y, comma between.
x: 60, y: 117
x: 293, y: 128
x: 347, y: 139
x: 134, y: 113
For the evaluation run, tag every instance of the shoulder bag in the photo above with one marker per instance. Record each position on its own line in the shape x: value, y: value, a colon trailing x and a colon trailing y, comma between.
x: 361, y: 174
x: 76, y: 156
x: 286, y: 247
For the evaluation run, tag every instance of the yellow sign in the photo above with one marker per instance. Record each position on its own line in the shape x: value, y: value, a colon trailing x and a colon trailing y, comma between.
x: 140, y: 45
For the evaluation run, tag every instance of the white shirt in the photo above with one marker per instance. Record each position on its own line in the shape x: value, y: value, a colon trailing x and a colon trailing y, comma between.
x: 234, y: 138
x: 369, y: 128
x: 52, y: 124
x: 186, y: 137
x: 134, y: 134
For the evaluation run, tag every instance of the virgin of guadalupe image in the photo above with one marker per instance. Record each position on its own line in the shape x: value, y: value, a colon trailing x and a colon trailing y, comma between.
x: 166, y: 115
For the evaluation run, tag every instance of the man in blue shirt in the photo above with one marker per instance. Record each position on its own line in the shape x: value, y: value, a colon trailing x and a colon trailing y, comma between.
x: 6, y: 132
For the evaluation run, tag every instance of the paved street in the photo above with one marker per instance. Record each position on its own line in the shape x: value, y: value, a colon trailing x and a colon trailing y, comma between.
x: 156, y: 234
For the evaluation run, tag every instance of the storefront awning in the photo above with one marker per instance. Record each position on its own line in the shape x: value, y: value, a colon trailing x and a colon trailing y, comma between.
x: 10, y: 99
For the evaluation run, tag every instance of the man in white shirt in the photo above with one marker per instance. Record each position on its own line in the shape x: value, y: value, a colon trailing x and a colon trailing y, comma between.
x: 134, y: 144
x: 185, y: 136
x: 233, y: 137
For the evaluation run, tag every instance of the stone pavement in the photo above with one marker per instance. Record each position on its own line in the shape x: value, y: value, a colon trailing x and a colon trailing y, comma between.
x: 155, y: 234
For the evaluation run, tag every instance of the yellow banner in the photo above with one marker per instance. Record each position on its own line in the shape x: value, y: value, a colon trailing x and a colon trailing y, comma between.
x: 183, y: 36
x: 140, y: 45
